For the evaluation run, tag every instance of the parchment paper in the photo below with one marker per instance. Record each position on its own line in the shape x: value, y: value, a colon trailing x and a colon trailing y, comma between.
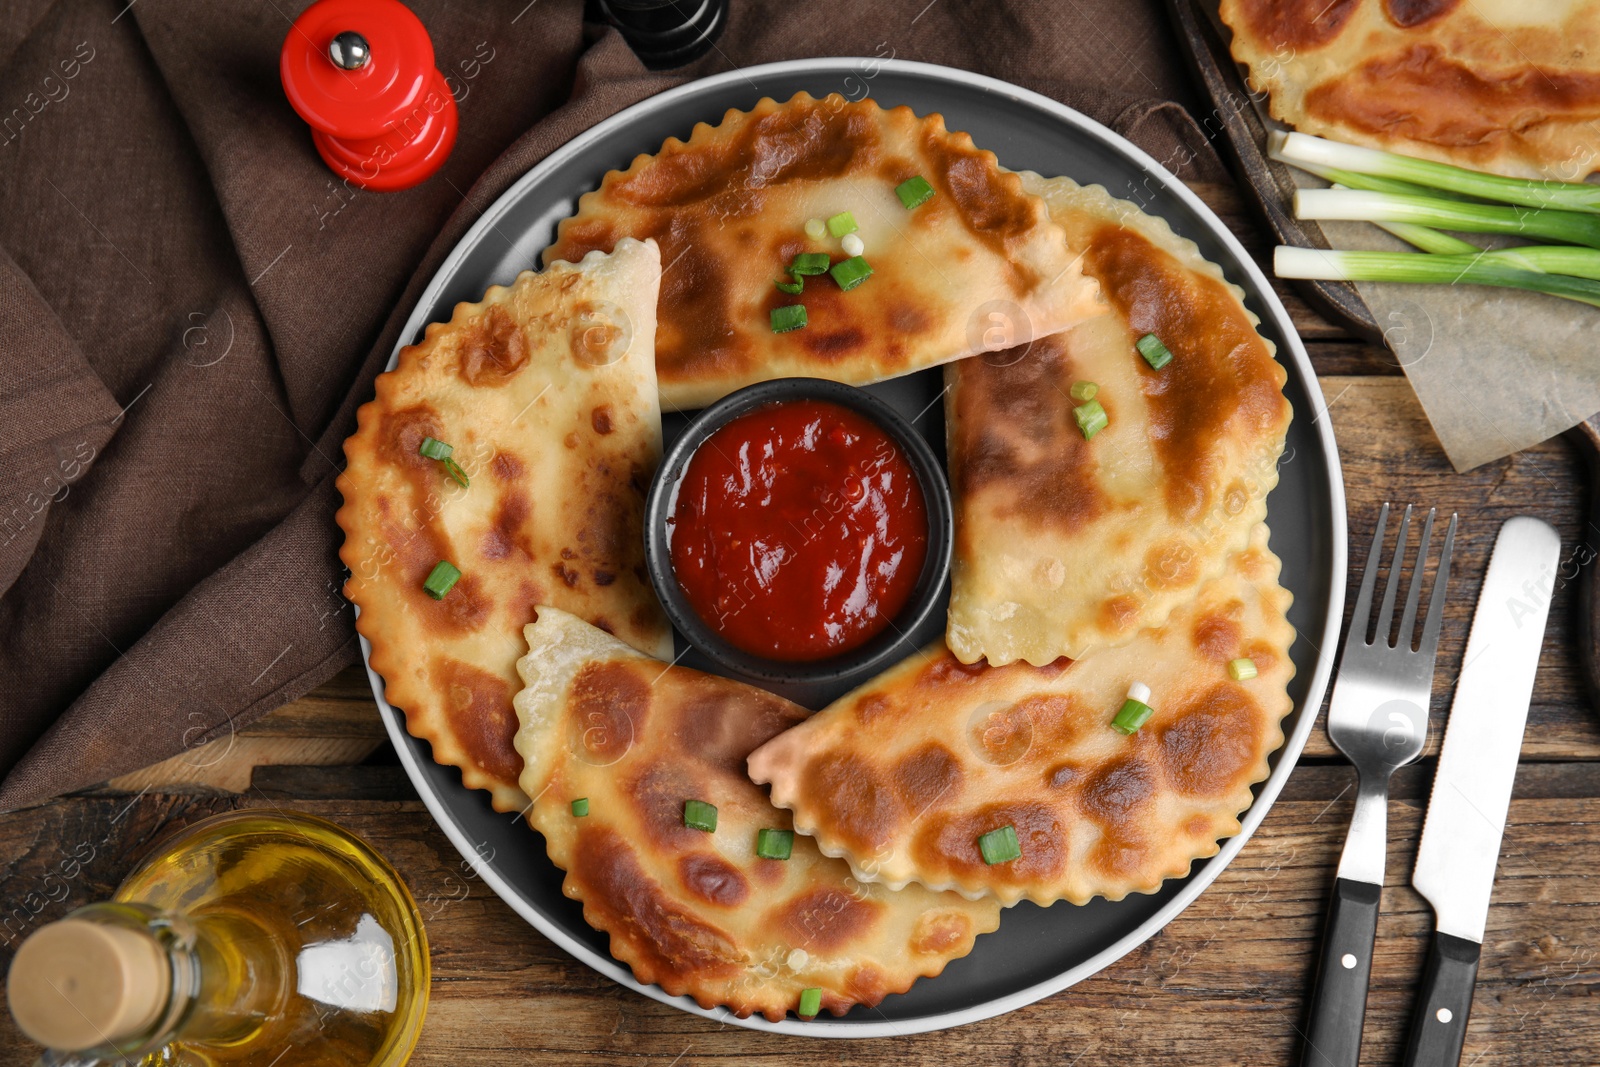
x: 1497, y: 370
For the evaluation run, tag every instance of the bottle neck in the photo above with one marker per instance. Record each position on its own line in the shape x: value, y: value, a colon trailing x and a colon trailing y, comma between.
x: 207, y: 978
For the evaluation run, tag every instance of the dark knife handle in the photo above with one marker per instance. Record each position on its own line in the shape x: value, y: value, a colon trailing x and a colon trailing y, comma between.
x: 1586, y: 435
x: 1339, y: 999
x: 1439, y: 1025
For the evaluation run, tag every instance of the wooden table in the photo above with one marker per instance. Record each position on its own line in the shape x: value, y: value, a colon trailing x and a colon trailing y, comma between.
x: 1225, y: 982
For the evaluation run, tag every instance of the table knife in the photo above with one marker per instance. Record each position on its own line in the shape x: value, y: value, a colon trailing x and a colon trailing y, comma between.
x: 1460, y: 844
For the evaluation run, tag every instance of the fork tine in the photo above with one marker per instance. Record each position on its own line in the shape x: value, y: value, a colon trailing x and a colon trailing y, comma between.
x: 1408, y: 621
x: 1357, y: 634
x: 1430, y: 626
x: 1392, y: 585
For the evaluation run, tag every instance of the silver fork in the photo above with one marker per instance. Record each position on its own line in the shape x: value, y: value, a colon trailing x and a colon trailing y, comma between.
x: 1379, y: 719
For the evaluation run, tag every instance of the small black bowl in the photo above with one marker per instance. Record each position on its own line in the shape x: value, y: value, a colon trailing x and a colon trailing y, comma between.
x: 818, y: 680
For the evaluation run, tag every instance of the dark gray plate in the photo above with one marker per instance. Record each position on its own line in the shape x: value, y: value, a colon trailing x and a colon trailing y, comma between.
x: 1037, y: 951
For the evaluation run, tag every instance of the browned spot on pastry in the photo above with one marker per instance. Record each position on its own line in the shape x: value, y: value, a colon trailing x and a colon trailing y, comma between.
x: 600, y: 419
x: 400, y: 437
x: 866, y: 984
x: 1221, y: 374
x: 1118, y: 855
x: 1410, y: 13
x: 712, y: 879
x: 1117, y: 613
x: 1262, y: 654
x: 1208, y: 750
x: 1115, y: 791
x: 658, y: 793
x: 1013, y: 434
x: 506, y: 526
x: 1004, y: 733
x: 667, y: 938
x: 944, y: 669
x: 927, y: 774
x: 852, y: 801
x: 478, y: 705
x: 873, y: 707
x: 1297, y: 24
x: 506, y: 467
x: 1216, y: 637
x: 1059, y: 720
x: 1198, y: 826
x: 950, y: 843
x: 566, y: 574
x: 939, y: 932
x: 721, y: 723
x: 825, y: 918
x: 1171, y: 564
x: 1422, y: 94
x: 492, y: 349
x: 1063, y: 776
x: 610, y: 704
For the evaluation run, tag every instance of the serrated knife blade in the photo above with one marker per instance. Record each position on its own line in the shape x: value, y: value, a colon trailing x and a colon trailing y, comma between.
x: 1460, y: 845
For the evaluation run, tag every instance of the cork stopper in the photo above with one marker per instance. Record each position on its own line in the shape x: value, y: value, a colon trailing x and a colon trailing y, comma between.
x: 77, y: 984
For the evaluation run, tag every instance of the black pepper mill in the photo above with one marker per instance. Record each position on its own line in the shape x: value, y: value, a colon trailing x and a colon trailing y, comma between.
x: 667, y: 33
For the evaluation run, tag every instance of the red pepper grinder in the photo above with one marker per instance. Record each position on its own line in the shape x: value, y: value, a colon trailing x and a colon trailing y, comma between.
x: 361, y: 73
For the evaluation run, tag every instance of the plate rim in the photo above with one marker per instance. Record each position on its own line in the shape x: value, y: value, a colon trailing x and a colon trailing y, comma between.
x: 1288, y: 755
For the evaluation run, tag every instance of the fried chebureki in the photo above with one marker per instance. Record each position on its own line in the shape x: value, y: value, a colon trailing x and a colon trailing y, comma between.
x: 1065, y: 544
x: 699, y: 913
x: 1498, y: 85
x: 545, y: 391
x: 978, y: 260
x: 903, y: 775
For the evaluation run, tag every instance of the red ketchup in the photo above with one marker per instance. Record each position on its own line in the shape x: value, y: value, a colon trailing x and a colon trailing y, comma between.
x: 799, y: 530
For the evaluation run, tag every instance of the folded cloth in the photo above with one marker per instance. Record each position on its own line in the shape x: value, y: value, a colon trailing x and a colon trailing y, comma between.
x: 193, y: 306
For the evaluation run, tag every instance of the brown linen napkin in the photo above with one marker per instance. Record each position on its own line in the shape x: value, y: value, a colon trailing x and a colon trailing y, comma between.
x: 192, y: 307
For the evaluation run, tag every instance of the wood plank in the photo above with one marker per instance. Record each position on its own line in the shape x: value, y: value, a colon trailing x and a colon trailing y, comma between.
x: 1223, y: 983
x: 1389, y: 453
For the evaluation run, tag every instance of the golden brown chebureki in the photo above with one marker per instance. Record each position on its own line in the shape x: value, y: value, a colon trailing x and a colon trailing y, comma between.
x: 546, y: 392
x: 697, y: 913
x: 902, y: 776
x: 1498, y: 85
x: 729, y: 206
x: 1062, y: 544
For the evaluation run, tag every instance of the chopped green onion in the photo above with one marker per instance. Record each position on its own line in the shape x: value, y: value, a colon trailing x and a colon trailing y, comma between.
x: 433, y: 449
x: 1000, y: 846
x: 1154, y: 352
x: 580, y: 807
x: 454, y: 470
x: 842, y: 223
x: 1483, y: 269
x: 774, y: 844
x: 792, y: 288
x: 698, y: 815
x: 851, y: 272
x: 1084, y: 391
x: 1357, y: 205
x: 913, y: 192
x: 810, y: 1003
x: 790, y: 317
x: 1242, y: 670
x: 441, y: 579
x: 1134, y: 714
x: 809, y: 263
x: 1091, y: 418
x: 1301, y: 149
x: 816, y: 229
x: 852, y: 244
